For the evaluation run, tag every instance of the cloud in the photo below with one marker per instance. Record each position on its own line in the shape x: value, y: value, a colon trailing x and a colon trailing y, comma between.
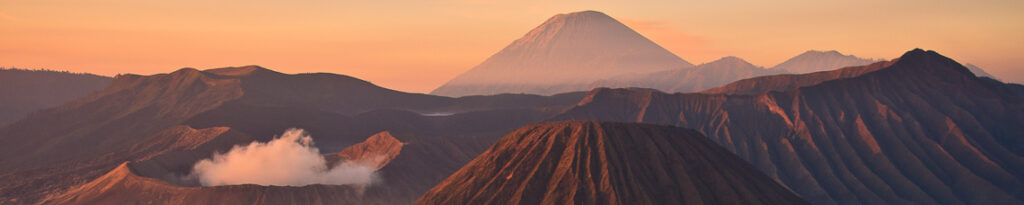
x: 289, y: 160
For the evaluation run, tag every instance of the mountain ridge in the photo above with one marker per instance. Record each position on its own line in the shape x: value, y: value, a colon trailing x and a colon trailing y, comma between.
x: 23, y: 92
x: 922, y: 130
x: 708, y: 75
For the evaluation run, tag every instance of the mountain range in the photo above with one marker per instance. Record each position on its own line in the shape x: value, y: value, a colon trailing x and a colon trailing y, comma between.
x: 700, y: 77
x: 73, y: 143
x: 821, y: 128
x: 919, y: 129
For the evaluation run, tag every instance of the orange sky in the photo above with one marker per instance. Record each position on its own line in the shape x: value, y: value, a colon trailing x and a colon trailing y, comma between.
x: 416, y: 46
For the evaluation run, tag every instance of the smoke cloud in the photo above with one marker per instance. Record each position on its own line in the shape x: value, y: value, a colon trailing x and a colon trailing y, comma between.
x: 288, y: 160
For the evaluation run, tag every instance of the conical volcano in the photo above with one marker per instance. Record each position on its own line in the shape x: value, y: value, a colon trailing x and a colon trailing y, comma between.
x: 589, y: 162
x: 564, y: 52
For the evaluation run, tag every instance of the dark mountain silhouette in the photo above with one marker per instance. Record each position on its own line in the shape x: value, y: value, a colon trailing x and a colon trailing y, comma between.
x: 25, y: 91
x: 704, y: 76
x: 815, y: 61
x: 76, y: 142
x: 588, y: 162
x: 923, y: 130
x: 1018, y: 87
x: 564, y: 53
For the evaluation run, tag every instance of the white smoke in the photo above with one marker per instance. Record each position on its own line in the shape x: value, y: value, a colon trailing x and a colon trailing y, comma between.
x: 289, y: 160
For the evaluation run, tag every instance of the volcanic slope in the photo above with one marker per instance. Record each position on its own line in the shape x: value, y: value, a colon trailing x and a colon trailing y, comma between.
x: 406, y: 169
x: 588, y: 162
x: 923, y: 130
x: 566, y: 52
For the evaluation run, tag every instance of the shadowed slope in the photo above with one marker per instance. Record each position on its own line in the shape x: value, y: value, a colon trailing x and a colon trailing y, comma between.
x: 26, y: 91
x: 923, y: 130
x: 585, y: 162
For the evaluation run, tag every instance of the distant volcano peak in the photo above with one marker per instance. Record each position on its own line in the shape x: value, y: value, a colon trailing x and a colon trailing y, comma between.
x: 563, y: 54
x: 818, y: 60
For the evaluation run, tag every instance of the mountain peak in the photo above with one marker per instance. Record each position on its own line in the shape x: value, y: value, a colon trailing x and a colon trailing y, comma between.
x: 929, y: 62
x: 564, y: 54
x: 731, y: 60
x: 823, y: 52
x: 239, y: 71
x: 816, y: 60
x: 588, y: 14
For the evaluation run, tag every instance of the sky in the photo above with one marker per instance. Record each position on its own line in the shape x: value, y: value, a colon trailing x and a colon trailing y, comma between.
x: 415, y: 46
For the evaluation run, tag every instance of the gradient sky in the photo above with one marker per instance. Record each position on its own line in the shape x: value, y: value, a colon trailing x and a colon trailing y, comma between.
x: 416, y: 46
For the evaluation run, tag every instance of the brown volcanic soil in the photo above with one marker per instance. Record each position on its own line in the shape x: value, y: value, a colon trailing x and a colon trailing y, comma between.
x: 123, y: 186
x: 54, y: 149
x: 406, y: 169
x: 376, y: 151
x: 923, y: 130
x: 587, y: 162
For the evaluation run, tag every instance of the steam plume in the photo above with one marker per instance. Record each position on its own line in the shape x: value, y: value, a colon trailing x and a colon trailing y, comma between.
x: 289, y: 160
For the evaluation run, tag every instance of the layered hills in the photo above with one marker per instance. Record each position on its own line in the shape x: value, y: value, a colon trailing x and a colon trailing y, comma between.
x: 920, y: 130
x: 566, y: 52
x: 25, y: 91
x: 141, y: 117
x: 700, y: 77
x: 785, y: 82
x: 588, y: 162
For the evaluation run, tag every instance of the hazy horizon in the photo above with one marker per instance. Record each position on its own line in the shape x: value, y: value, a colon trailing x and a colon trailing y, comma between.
x: 417, y: 46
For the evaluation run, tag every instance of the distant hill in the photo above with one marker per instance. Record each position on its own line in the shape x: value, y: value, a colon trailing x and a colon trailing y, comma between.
x: 704, y: 76
x: 589, y: 162
x: 785, y: 82
x: 814, y: 61
x: 25, y: 91
x: 566, y: 52
x: 978, y: 71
